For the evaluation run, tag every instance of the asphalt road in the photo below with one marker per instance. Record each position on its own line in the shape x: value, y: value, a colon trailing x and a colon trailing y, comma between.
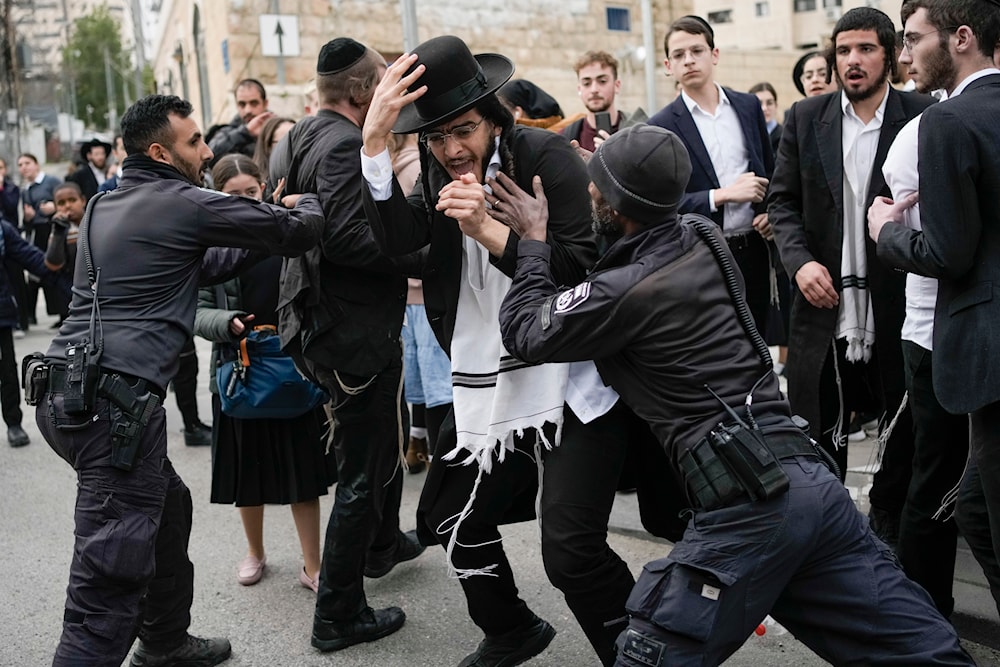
x: 269, y: 623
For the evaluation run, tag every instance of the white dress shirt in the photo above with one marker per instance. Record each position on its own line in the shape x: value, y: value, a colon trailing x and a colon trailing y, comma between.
x: 903, y: 179
x: 722, y: 135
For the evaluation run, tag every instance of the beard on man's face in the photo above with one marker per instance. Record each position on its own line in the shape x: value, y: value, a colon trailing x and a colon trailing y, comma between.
x: 939, y: 71
x: 868, y: 92
x: 193, y: 171
x: 603, y: 220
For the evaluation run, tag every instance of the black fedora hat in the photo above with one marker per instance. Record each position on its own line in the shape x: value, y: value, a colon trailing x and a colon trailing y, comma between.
x: 87, y: 145
x: 455, y: 79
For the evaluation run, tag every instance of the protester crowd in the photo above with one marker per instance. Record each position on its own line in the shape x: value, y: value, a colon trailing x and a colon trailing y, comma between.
x: 436, y: 269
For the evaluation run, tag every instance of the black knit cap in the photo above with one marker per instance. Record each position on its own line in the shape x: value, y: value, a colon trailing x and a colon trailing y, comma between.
x: 339, y: 54
x: 642, y: 172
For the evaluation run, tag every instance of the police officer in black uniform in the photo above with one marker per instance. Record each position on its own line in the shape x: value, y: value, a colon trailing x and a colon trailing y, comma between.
x: 771, y: 529
x: 144, y: 250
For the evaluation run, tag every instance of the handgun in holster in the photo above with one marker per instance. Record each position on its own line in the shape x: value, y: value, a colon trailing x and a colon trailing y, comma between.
x: 130, y: 410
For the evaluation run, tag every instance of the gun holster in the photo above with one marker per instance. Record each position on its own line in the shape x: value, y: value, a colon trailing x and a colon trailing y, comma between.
x: 130, y: 410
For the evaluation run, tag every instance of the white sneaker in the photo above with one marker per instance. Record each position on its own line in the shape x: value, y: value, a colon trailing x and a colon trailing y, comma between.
x: 857, y: 436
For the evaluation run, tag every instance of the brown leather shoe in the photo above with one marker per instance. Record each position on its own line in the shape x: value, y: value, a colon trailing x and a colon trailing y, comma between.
x: 416, y: 455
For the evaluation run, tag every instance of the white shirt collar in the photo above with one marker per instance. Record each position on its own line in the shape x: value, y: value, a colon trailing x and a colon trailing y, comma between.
x: 40, y: 177
x: 848, y: 108
x: 692, y: 105
x: 973, y: 77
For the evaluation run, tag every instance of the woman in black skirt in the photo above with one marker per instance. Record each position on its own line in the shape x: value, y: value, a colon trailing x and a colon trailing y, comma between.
x: 257, y: 462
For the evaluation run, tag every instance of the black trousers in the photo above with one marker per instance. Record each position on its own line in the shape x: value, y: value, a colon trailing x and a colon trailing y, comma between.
x: 753, y: 260
x: 130, y: 572
x: 186, y: 384
x: 927, y: 545
x: 493, y: 601
x: 862, y: 388
x: 984, y: 425
x: 579, y: 481
x: 370, y: 421
x: 10, y: 390
x: 973, y: 521
x: 578, y: 492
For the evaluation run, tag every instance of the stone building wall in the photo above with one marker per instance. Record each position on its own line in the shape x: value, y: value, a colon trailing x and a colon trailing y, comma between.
x: 542, y: 37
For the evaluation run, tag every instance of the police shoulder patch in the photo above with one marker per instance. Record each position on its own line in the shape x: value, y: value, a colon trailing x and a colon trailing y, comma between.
x: 572, y: 298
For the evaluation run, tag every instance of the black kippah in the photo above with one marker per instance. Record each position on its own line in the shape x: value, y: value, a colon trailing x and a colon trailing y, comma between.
x: 702, y: 22
x: 339, y: 54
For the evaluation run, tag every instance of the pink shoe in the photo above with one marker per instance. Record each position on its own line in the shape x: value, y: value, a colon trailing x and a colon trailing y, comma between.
x: 250, y: 570
x: 307, y: 582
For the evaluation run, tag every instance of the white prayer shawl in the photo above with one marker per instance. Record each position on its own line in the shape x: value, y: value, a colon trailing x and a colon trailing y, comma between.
x: 855, y: 320
x: 496, y: 397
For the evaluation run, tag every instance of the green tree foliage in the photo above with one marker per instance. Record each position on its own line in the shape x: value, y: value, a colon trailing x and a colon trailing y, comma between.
x: 91, y: 38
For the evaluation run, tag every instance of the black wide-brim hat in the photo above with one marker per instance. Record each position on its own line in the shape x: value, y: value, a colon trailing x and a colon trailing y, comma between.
x: 87, y: 145
x: 456, y: 81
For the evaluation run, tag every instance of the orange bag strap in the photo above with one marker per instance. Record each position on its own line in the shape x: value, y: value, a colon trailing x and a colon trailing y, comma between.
x: 244, y: 354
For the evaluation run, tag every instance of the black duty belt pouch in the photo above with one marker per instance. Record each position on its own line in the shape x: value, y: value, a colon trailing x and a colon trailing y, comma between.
x: 707, y: 479
x: 82, y: 374
x: 750, y: 460
x: 34, y: 378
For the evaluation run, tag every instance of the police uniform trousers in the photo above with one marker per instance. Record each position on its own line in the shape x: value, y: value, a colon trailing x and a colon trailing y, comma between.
x: 369, y: 424
x: 807, y: 558
x: 130, y: 571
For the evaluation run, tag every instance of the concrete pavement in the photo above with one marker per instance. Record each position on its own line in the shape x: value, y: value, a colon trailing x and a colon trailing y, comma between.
x: 269, y: 624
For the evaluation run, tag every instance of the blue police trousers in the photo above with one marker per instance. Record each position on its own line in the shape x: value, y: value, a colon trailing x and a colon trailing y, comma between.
x: 809, y: 559
x: 130, y: 572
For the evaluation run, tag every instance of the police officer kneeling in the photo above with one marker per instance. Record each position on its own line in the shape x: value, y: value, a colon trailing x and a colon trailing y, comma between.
x: 144, y: 249
x: 771, y: 530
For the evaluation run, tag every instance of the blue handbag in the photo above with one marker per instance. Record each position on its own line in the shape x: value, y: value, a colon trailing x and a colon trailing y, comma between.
x: 263, y: 382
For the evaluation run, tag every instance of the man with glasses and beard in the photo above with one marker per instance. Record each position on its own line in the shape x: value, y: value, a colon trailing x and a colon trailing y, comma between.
x: 948, y: 244
x: 478, y: 170
x: 848, y: 310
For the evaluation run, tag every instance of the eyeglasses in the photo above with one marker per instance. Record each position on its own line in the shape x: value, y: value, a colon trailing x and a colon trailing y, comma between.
x: 460, y: 133
x: 910, y: 40
x: 813, y: 74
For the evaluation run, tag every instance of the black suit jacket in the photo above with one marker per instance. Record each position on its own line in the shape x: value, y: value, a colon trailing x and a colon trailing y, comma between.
x: 677, y: 118
x: 84, y: 177
x: 960, y: 242
x: 342, y: 302
x: 806, y: 211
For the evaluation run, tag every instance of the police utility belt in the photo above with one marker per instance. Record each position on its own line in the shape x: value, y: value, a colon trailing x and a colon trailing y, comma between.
x: 132, y: 400
x: 735, y: 464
